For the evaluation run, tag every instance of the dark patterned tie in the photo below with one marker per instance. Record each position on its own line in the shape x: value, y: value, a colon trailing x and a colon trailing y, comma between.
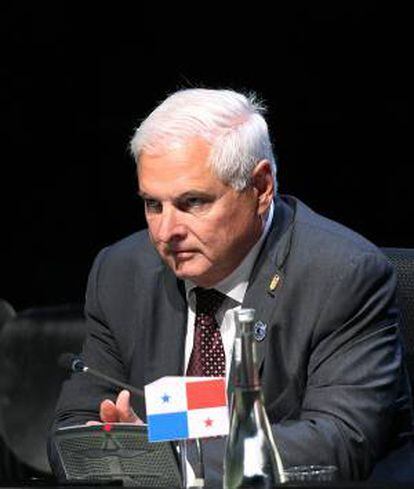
x: 207, y: 357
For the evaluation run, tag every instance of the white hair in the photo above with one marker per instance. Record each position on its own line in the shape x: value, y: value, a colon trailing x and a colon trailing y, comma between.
x: 231, y: 122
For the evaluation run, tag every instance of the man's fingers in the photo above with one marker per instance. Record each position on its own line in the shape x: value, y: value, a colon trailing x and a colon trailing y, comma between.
x: 125, y: 412
x: 108, y: 412
x: 119, y: 412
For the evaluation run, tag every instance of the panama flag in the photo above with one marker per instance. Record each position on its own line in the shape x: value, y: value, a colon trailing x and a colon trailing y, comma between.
x: 186, y: 407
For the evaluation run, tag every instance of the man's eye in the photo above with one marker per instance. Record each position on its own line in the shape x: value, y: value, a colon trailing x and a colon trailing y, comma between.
x: 194, y: 202
x: 152, y: 205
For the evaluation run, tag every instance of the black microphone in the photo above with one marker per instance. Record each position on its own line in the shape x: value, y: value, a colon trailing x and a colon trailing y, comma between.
x: 73, y: 363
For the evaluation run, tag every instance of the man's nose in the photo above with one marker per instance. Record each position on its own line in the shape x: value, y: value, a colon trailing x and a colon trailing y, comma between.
x: 170, y: 226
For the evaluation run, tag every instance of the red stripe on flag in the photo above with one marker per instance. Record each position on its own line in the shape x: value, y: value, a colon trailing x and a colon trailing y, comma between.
x: 206, y: 394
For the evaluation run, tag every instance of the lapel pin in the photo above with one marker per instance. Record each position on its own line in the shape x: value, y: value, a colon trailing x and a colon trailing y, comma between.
x: 260, y: 331
x: 274, y: 282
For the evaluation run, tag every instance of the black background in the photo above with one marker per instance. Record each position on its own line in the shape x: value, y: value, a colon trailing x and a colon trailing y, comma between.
x: 76, y: 79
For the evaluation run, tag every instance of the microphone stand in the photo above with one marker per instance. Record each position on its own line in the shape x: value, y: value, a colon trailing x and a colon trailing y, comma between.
x: 99, y: 375
x: 75, y: 364
x: 199, y: 468
x: 183, y: 456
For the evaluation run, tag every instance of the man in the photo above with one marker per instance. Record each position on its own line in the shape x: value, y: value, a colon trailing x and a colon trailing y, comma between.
x: 328, y: 341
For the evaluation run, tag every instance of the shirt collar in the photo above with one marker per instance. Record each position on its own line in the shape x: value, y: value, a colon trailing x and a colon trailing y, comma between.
x: 235, y: 284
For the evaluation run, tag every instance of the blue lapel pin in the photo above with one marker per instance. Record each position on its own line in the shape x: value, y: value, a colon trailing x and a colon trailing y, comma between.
x: 260, y: 331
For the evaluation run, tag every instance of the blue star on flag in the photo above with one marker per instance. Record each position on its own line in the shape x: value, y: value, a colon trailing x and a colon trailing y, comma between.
x: 166, y: 398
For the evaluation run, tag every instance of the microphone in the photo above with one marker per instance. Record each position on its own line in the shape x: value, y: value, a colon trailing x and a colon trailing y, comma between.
x: 73, y: 363
x: 69, y: 361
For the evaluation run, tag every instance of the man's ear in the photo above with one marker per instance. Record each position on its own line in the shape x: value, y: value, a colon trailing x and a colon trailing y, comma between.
x: 263, y: 183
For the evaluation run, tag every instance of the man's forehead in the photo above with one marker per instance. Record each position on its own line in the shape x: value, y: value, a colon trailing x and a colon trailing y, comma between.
x: 173, y: 187
x: 180, y: 188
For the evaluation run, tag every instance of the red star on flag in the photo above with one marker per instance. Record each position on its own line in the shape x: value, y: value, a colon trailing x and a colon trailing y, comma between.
x: 208, y: 422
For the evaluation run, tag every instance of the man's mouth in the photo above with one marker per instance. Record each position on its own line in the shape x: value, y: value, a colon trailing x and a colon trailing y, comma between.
x: 178, y: 253
x: 182, y: 254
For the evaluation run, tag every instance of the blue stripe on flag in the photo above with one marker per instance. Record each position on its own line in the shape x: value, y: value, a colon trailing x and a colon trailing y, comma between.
x: 169, y: 426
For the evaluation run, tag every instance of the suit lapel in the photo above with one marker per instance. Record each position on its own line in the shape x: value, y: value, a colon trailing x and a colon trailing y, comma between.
x: 267, y: 279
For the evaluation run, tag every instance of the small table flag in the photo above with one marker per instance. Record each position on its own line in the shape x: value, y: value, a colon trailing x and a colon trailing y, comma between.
x: 186, y: 407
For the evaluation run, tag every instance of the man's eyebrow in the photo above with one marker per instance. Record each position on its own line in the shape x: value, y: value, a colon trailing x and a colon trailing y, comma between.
x: 185, y: 195
x: 194, y: 193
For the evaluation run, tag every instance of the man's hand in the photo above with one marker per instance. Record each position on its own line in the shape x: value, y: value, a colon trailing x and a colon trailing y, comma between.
x: 118, y: 412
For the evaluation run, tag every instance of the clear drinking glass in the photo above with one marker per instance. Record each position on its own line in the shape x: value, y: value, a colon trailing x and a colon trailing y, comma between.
x: 311, y: 473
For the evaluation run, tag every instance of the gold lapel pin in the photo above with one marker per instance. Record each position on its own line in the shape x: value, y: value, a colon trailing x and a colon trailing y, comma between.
x: 274, y: 282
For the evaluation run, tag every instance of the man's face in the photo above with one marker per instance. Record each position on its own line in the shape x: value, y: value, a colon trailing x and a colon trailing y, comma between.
x: 201, y: 227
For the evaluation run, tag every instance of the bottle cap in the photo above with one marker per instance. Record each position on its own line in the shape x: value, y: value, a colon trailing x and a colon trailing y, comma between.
x: 245, y: 315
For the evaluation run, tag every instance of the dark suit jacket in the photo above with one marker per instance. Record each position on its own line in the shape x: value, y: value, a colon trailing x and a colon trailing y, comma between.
x: 333, y: 380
